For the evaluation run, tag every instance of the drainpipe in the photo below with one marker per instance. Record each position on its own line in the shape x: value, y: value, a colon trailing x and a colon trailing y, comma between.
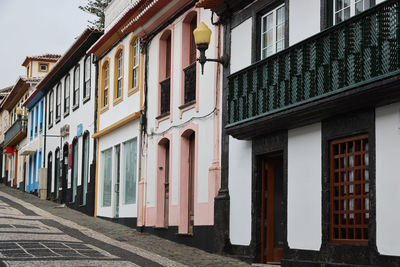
x: 143, y: 130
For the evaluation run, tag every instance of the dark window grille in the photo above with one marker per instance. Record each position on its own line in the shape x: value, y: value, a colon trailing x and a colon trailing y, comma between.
x: 165, y: 95
x: 190, y: 83
x: 349, y: 185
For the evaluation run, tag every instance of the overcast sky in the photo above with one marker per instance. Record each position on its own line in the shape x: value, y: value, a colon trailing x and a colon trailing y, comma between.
x: 34, y: 27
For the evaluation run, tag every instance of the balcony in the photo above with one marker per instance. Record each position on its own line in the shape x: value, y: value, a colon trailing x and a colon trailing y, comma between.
x: 303, y: 79
x: 16, y: 132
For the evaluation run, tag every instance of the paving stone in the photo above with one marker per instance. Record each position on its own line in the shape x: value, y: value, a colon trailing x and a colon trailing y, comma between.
x: 182, y: 254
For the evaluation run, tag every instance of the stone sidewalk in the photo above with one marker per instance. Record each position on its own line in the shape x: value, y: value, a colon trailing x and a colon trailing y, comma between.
x: 177, y: 252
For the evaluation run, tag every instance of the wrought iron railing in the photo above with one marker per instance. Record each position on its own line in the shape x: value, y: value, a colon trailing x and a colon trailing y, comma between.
x: 18, y: 126
x: 363, y: 49
x: 165, y: 96
x: 190, y: 83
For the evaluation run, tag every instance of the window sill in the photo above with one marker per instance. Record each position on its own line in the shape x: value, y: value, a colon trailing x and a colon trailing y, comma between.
x: 58, y: 119
x: 117, y: 101
x: 50, y: 125
x: 86, y: 99
x: 66, y: 114
x: 163, y: 116
x: 188, y: 105
x: 75, y: 107
x: 104, y: 109
x: 133, y: 90
x: 185, y: 107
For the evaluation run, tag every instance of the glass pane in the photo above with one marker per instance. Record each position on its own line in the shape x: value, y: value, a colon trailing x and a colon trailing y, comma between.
x: 347, y: 13
x: 107, y: 177
x: 130, y: 167
x: 359, y: 7
x: 270, y: 23
x: 280, y: 32
x: 280, y: 46
x: 338, y: 5
x: 338, y: 17
x: 280, y: 16
x: 346, y: 3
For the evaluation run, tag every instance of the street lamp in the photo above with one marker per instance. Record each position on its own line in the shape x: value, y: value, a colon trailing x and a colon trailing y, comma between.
x: 202, y: 35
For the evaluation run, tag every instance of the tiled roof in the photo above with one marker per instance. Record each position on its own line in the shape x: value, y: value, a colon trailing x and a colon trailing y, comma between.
x: 6, y: 89
x: 46, y: 57
x: 208, y: 4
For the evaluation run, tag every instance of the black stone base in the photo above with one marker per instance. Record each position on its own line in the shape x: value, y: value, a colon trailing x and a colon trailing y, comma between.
x: 130, y: 222
x: 202, y: 237
x: 299, y: 263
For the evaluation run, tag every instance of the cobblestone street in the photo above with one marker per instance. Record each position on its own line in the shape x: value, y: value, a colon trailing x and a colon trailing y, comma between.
x: 36, y: 232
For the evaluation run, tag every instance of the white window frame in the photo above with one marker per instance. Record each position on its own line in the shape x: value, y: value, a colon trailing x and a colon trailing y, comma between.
x: 86, y: 86
x: 58, y: 101
x: 119, y: 74
x: 352, y: 9
x: 106, y: 88
x: 272, y: 12
x: 135, y: 64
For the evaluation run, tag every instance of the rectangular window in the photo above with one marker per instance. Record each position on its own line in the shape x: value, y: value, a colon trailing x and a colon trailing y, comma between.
x: 58, y: 101
x: 51, y: 108
x: 86, y: 86
x: 344, y: 9
x: 36, y: 119
x: 349, y: 190
x: 119, y: 75
x: 106, y: 84
x: 43, y: 67
x: 66, y: 94
x: 75, y: 99
x: 135, y: 69
x: 273, y: 32
x: 41, y: 116
x: 32, y: 121
x: 107, y: 177
x: 130, y: 170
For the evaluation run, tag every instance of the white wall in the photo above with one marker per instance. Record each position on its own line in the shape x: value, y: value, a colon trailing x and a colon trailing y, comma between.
x: 129, y: 104
x: 304, y: 187
x: 241, y: 46
x: 240, y: 174
x: 304, y: 19
x: 83, y: 115
x: 387, y: 129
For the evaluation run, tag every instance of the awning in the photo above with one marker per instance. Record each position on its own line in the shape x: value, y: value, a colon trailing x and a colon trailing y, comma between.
x: 31, y: 148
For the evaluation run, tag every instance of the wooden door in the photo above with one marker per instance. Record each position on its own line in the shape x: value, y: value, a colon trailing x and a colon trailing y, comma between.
x: 166, y: 185
x: 272, y: 210
x: 191, y: 181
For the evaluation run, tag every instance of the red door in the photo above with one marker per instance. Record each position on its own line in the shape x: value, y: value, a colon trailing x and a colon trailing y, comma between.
x: 272, y: 210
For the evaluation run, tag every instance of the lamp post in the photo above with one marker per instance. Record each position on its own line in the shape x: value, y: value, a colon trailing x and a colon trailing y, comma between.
x: 202, y: 35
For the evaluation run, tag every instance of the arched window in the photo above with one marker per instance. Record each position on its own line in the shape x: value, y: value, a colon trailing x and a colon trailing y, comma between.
x: 164, y: 65
x: 86, y: 77
x: 118, y: 74
x: 189, y: 58
x: 58, y: 101
x: 75, y: 97
x: 74, y: 168
x: 106, y: 83
x: 57, y: 180
x: 85, y: 166
x: 67, y: 82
